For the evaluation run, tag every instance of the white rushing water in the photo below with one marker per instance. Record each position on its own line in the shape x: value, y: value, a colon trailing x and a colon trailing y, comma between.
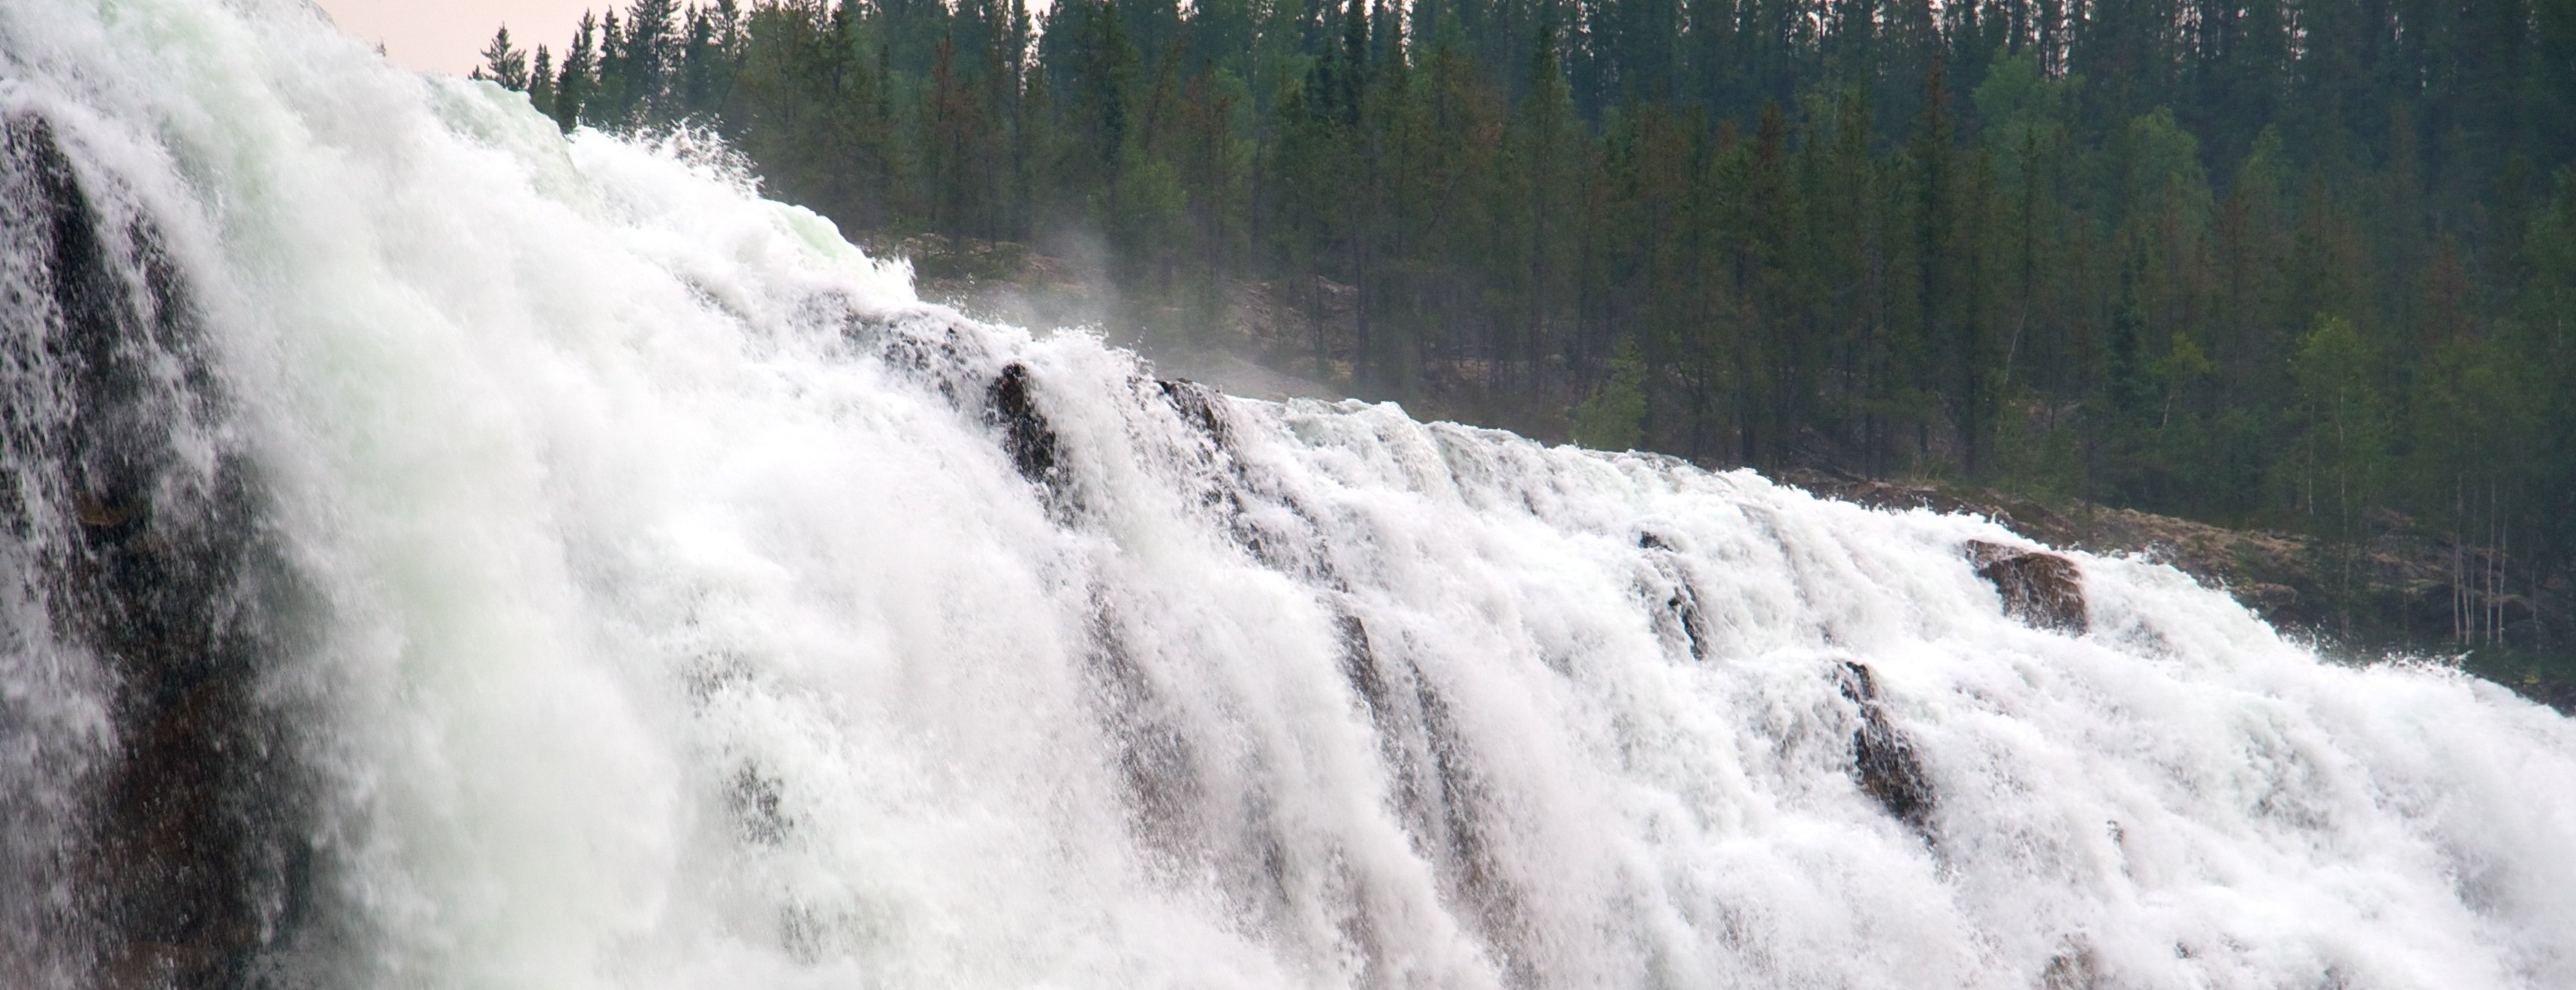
x: 677, y: 613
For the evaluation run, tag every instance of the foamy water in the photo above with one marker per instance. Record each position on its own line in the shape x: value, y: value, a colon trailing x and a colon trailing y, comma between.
x: 682, y: 603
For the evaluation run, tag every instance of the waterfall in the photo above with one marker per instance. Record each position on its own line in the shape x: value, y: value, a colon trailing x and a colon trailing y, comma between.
x: 443, y: 553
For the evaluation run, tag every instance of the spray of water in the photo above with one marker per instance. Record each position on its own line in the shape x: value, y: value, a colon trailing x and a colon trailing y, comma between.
x: 445, y: 554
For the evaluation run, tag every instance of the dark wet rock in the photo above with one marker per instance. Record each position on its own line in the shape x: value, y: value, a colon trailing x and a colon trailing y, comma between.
x: 928, y: 349
x: 1199, y: 406
x: 1674, y: 600
x: 1279, y: 529
x: 1681, y: 615
x: 1440, y: 794
x: 2042, y: 589
x: 1155, y: 757
x: 188, y: 860
x: 1468, y: 862
x: 1211, y: 475
x: 758, y: 811
x: 1026, y: 434
x: 1359, y: 667
x: 2077, y: 967
x: 1883, y: 759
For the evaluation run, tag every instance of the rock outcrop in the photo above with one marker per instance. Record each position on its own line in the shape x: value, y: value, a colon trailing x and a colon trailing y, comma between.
x: 1025, y: 431
x: 1883, y: 760
x: 180, y: 847
x: 2403, y: 589
x: 2042, y: 589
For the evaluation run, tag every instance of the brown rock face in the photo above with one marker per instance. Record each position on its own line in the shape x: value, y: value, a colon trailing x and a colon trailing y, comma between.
x: 1883, y: 760
x: 2042, y: 589
x: 170, y: 847
x: 2076, y: 968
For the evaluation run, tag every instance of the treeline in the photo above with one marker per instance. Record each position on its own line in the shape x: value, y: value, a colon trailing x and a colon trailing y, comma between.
x: 2302, y: 263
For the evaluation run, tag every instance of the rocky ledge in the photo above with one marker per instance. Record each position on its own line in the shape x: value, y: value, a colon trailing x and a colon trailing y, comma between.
x: 2398, y: 593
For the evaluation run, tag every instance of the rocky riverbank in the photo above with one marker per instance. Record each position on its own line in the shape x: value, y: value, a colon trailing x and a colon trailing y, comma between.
x: 2399, y: 594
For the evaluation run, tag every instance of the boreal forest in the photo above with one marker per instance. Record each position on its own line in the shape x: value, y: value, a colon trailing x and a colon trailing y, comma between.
x: 2304, y: 265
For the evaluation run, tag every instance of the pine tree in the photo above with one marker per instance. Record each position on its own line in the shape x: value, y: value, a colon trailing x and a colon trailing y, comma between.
x: 579, y: 76
x: 504, y: 63
x: 650, y: 59
x: 606, y: 103
x: 541, y: 82
x: 1977, y: 237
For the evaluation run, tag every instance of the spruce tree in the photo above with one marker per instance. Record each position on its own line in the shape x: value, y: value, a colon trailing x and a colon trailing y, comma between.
x: 504, y: 63
x: 541, y: 82
x: 1978, y: 237
x: 606, y: 104
x: 579, y: 77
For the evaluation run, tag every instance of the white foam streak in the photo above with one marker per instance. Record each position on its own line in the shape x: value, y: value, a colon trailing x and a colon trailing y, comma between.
x: 682, y: 637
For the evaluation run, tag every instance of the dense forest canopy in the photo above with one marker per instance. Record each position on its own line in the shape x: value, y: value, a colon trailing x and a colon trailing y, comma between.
x: 2308, y: 264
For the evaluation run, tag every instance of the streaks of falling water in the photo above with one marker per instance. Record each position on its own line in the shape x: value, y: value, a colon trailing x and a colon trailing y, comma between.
x: 442, y: 553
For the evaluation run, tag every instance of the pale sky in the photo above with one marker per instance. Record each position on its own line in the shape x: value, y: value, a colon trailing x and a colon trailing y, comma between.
x: 446, y: 35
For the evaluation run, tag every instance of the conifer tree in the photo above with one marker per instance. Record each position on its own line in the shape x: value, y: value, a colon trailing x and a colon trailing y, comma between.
x: 606, y: 104
x: 541, y: 82
x: 2124, y: 248
x: 578, y: 79
x: 649, y: 57
x: 504, y: 63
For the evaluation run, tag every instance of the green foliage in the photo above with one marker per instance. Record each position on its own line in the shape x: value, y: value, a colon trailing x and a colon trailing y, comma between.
x: 1613, y: 417
x: 2182, y: 365
x: 2164, y: 168
x: 2024, y: 108
x: 2276, y: 262
x: 541, y: 82
x: 2342, y: 426
x: 2339, y: 463
x: 504, y: 63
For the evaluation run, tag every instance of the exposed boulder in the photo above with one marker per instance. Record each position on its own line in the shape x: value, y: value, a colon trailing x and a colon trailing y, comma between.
x: 1675, y: 601
x: 1200, y: 406
x: 2076, y: 967
x: 1026, y: 434
x: 1883, y: 760
x: 2040, y: 588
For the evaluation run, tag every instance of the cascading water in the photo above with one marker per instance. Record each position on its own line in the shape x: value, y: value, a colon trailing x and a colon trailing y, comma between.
x: 441, y: 554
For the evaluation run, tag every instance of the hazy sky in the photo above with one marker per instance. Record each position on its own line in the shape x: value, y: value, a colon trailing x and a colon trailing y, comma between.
x: 444, y: 35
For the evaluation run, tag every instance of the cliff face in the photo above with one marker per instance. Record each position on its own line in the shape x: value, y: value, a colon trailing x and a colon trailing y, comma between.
x: 2405, y: 591
x: 171, y: 833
